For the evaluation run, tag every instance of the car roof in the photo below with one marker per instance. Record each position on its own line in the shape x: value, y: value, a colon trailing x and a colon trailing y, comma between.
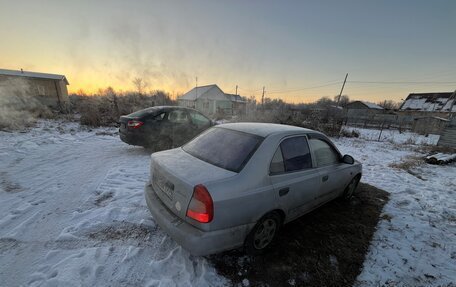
x: 167, y: 108
x: 158, y: 109
x: 264, y: 129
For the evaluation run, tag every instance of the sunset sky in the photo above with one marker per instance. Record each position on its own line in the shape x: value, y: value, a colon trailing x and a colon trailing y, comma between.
x: 299, y: 50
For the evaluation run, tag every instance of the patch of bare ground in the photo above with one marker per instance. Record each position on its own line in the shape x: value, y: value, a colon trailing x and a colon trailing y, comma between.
x: 430, y: 149
x: 122, y: 231
x: 323, y: 248
x: 408, y: 164
x: 7, y: 244
x: 102, y: 200
x: 7, y: 184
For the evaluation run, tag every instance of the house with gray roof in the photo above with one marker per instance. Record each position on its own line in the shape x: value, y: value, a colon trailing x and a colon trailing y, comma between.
x: 50, y: 89
x: 430, y: 102
x: 211, y: 99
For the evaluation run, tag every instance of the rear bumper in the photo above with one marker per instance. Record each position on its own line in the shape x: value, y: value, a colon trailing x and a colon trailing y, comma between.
x: 132, y: 139
x: 194, y: 240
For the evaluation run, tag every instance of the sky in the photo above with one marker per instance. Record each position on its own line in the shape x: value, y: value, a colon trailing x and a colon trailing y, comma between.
x: 298, y: 50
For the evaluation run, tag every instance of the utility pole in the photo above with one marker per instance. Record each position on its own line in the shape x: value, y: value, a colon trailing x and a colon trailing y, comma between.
x: 341, y: 90
x: 262, y: 100
x: 196, y: 91
x: 453, y: 96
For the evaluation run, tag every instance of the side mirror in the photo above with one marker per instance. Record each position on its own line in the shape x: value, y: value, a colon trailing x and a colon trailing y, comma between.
x: 348, y: 159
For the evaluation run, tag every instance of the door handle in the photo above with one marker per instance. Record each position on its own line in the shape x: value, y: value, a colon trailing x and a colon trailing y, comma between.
x: 284, y: 191
x: 325, y: 178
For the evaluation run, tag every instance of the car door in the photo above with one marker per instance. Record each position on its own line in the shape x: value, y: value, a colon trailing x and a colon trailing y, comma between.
x: 333, y: 172
x: 179, y: 127
x: 151, y: 127
x: 293, y: 177
x: 199, y: 123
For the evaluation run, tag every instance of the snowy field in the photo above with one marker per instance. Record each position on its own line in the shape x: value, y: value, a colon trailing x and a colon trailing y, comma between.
x: 73, y: 213
x: 394, y: 136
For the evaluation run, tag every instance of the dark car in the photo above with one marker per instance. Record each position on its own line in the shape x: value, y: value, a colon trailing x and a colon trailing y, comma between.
x: 162, y: 127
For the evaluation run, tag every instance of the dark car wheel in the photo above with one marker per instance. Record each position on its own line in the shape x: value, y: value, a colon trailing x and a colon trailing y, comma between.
x: 350, y: 189
x: 263, y: 234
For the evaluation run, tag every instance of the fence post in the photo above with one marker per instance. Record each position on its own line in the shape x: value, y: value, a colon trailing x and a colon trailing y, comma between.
x: 381, y: 130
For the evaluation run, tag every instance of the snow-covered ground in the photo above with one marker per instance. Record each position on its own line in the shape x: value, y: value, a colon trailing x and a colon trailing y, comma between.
x: 394, y: 136
x: 415, y: 244
x: 73, y: 213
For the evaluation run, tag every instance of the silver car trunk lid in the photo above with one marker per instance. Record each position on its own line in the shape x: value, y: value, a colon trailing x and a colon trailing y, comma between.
x: 174, y: 173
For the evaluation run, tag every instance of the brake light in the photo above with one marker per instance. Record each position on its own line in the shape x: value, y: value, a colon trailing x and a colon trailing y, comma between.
x: 134, y: 124
x: 201, y: 207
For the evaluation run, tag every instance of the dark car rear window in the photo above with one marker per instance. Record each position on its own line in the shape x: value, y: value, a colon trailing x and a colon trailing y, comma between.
x: 224, y: 148
x: 142, y: 113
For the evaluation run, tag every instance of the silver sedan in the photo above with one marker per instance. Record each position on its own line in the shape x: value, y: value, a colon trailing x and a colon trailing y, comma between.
x: 235, y: 184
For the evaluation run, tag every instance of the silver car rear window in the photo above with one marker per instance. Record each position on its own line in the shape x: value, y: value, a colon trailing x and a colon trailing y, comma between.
x: 224, y: 148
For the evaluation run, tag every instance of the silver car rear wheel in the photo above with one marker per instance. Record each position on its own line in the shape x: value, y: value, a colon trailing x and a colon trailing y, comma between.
x: 264, y: 234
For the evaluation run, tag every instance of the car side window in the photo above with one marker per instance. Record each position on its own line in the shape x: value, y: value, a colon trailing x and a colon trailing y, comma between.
x: 178, y: 116
x: 293, y: 154
x: 324, y: 153
x: 158, y: 118
x: 198, y: 119
x: 277, y: 165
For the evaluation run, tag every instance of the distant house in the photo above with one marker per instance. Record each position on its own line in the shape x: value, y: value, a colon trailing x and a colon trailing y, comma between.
x: 49, y: 89
x: 362, y: 109
x: 429, y: 102
x: 363, y: 105
x: 211, y: 99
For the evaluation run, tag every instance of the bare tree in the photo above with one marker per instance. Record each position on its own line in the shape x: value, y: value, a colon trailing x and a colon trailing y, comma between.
x: 140, y: 85
x: 389, y: 105
x: 344, y: 100
x: 324, y: 102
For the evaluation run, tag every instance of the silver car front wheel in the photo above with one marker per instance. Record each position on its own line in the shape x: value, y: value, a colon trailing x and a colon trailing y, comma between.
x: 350, y: 189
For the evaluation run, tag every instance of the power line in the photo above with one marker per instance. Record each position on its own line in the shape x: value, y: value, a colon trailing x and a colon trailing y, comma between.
x: 306, y: 88
x: 401, y: 82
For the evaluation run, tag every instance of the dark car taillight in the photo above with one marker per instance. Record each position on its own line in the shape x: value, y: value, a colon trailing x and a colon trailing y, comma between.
x: 201, y: 207
x: 134, y: 124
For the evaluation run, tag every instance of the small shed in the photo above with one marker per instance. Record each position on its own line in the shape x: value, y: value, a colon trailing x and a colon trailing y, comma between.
x: 50, y: 89
x: 448, y: 137
x: 239, y: 105
x: 429, y: 125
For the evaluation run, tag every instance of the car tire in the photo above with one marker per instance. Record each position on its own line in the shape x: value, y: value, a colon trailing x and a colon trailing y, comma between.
x: 351, y: 188
x: 263, y: 234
